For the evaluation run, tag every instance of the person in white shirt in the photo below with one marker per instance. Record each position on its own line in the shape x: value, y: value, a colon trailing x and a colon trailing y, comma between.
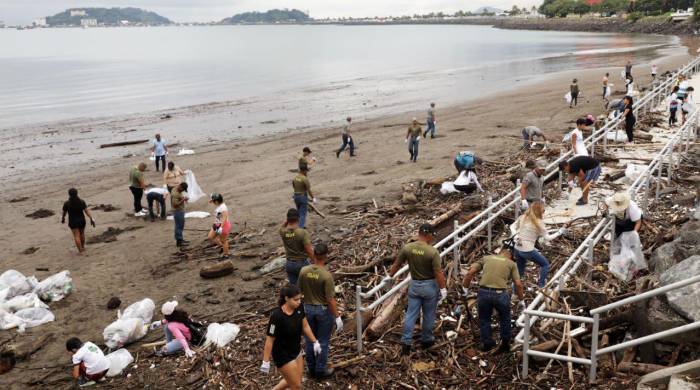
x: 89, y: 363
x: 529, y: 228
x: 159, y: 150
x: 654, y: 71
x: 628, y: 215
x: 222, y: 225
x: 577, y: 144
x: 158, y: 195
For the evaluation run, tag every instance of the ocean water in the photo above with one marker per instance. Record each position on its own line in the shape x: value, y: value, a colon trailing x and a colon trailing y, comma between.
x: 285, y: 76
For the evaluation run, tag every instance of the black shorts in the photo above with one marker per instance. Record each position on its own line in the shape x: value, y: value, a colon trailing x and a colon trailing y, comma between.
x: 283, y: 358
x: 80, y: 224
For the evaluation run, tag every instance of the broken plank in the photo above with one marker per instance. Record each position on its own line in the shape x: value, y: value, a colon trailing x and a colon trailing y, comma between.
x: 124, y: 143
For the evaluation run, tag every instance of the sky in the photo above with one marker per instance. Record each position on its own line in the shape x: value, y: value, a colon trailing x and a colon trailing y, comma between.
x: 25, y: 11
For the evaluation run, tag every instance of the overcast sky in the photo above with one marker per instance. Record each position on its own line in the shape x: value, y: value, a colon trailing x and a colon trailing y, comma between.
x: 25, y: 11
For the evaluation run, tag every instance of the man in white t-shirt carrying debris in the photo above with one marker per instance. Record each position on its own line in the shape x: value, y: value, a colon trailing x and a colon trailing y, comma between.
x: 529, y: 133
x: 159, y: 150
x: 156, y: 195
x: 628, y: 215
x: 89, y: 363
x: 577, y: 144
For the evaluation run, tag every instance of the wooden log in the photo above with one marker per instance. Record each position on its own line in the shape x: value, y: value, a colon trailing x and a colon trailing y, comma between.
x: 446, y: 216
x: 124, y: 143
x: 364, y: 267
x: 639, y: 368
x: 643, y: 135
x: 615, y: 175
x: 545, y: 346
x: 315, y: 210
x: 153, y: 345
x: 350, y: 325
x: 217, y: 270
x: 24, y: 350
x: 388, y: 313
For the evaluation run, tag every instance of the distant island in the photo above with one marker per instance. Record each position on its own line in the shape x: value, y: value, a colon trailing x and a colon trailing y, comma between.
x: 270, y: 17
x: 92, y: 17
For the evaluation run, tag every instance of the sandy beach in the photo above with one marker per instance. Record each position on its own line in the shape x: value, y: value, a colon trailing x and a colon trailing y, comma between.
x: 254, y: 177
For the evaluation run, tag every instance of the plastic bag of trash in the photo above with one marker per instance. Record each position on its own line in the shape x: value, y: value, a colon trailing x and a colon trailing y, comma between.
x: 627, y: 256
x: 194, y: 192
x: 124, y: 331
x: 34, y: 316
x: 607, y: 90
x: 13, y: 283
x: 193, y: 214
x: 9, y: 320
x: 118, y: 361
x: 633, y: 171
x: 20, y: 302
x: 617, y: 136
x: 55, y: 287
x: 184, y: 152
x: 221, y: 334
x: 567, y: 97
x: 448, y: 187
x: 142, y: 310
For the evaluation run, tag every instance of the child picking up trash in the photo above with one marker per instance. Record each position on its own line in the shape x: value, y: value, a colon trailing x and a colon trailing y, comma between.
x: 89, y: 363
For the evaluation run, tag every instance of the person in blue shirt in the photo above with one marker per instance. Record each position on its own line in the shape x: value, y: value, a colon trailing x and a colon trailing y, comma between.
x: 159, y: 150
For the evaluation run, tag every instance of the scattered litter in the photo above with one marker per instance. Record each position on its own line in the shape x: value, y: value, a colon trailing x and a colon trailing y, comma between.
x: 193, y: 214
x: 184, y: 152
x: 55, y: 287
x: 30, y: 250
x: 627, y: 258
x: 221, y: 334
x: 41, y: 213
x: 20, y: 199
x: 105, y: 207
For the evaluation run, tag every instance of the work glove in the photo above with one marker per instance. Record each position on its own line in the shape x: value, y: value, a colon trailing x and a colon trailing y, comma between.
x: 189, y: 353
x: 524, y: 204
x: 313, y: 200
x: 265, y: 367
x: 465, y: 291
x: 388, y: 280
x: 317, y: 348
x: 92, y: 222
x: 338, y: 324
x: 219, y: 230
x: 405, y: 141
x: 155, y: 325
x: 443, y: 295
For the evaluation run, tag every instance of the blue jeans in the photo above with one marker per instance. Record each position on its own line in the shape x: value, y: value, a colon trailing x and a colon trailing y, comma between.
x: 155, y: 197
x: 293, y: 268
x: 302, y: 203
x: 172, y: 344
x: 321, y: 323
x: 430, y: 129
x: 179, y: 217
x: 413, y: 147
x: 422, y: 295
x: 486, y: 302
x: 536, y: 257
x: 347, y: 141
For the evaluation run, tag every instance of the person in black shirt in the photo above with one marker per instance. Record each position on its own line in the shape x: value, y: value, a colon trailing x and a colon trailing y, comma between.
x: 283, y: 342
x: 75, y: 207
x: 630, y: 120
x: 585, y: 170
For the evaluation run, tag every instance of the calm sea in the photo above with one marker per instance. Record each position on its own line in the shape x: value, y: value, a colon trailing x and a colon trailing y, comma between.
x: 285, y: 76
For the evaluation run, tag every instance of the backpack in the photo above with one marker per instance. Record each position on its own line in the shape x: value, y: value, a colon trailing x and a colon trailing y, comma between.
x: 466, y: 159
x: 198, y: 331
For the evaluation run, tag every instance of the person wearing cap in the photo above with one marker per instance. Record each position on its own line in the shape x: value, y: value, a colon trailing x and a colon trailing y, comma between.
x: 426, y: 289
x: 159, y: 150
x: 318, y: 288
x: 177, y: 334
x: 529, y: 228
x: 136, y: 186
x: 583, y: 170
x: 529, y: 133
x: 306, y: 160
x: 412, y: 138
x: 222, y: 225
x: 498, y: 271
x: 156, y: 195
x: 531, y: 187
x: 297, y: 246
x: 302, y: 193
x: 283, y: 339
x: 430, y: 121
x: 628, y: 215
x: 347, y: 139
x: 178, y: 199
x: 577, y: 144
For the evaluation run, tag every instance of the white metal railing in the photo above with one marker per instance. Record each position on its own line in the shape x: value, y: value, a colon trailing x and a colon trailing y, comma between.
x: 503, y: 205
x: 535, y: 310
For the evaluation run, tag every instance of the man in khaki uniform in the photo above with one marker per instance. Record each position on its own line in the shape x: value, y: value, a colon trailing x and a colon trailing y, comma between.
x: 137, y: 185
x: 302, y: 193
x: 297, y: 246
x: 318, y: 287
x: 423, y: 294
x: 412, y: 138
x: 498, y: 272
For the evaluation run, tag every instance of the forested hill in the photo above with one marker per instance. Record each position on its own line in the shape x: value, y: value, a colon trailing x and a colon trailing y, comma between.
x: 106, y: 16
x: 271, y: 16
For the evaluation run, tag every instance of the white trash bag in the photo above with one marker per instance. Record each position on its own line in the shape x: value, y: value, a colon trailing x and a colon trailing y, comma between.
x: 192, y: 214
x: 627, y: 258
x: 448, y: 187
x: 9, y: 320
x: 142, y: 310
x: 55, y: 287
x: 20, y: 302
x: 124, y: 331
x: 34, y: 316
x: 13, y: 283
x: 568, y: 97
x: 194, y: 192
x: 118, y: 361
x: 633, y: 171
x: 617, y: 136
x: 221, y: 334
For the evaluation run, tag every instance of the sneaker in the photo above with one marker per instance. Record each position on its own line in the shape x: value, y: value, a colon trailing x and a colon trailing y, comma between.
x: 84, y: 382
x: 405, y: 350
x: 139, y: 214
x: 325, y: 374
x: 580, y: 202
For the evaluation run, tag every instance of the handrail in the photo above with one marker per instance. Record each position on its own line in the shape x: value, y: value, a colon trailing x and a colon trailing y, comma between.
x: 646, y: 295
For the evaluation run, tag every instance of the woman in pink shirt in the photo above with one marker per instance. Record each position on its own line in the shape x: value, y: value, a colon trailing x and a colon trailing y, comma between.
x: 177, y: 334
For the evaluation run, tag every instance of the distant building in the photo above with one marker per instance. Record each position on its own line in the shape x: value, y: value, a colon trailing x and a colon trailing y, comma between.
x: 88, y: 22
x: 124, y: 22
x: 77, y: 12
x: 41, y: 22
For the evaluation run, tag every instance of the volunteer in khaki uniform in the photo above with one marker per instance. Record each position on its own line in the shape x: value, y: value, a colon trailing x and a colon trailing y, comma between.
x: 426, y: 274
x: 302, y: 192
x: 297, y: 246
x: 318, y: 288
x: 498, y: 271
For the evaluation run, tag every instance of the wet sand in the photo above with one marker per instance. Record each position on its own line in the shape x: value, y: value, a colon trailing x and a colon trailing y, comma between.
x: 254, y: 177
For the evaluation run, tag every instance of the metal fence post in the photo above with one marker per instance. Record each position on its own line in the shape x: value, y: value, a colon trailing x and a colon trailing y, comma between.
x: 490, y: 225
x: 561, y: 175
x: 358, y: 316
x: 593, y: 144
x: 516, y: 206
x: 455, y: 253
x: 612, y: 233
x: 526, y: 345
x: 605, y: 136
x: 669, y: 161
x: 646, y: 191
x: 658, y: 178
x: 594, y: 349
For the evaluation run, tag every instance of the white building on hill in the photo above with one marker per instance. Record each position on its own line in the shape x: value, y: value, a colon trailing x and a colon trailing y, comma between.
x: 88, y: 22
